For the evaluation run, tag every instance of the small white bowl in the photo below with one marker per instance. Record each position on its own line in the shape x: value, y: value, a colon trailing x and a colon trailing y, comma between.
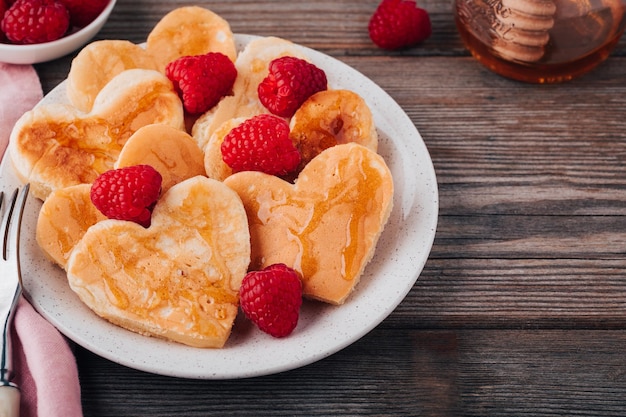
x: 42, y: 52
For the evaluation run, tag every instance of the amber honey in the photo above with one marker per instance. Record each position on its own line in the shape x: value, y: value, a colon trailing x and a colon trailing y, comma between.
x: 540, y: 41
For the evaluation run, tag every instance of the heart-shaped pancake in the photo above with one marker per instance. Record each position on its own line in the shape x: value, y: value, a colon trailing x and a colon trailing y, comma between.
x: 326, y: 225
x: 178, y: 279
x: 55, y: 146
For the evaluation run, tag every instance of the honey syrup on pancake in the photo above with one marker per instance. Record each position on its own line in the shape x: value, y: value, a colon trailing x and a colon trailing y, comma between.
x: 177, y: 279
x: 57, y: 146
x: 352, y: 200
x: 326, y: 225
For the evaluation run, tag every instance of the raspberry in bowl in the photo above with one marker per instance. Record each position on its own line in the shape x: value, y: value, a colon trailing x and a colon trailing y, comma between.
x: 61, y: 30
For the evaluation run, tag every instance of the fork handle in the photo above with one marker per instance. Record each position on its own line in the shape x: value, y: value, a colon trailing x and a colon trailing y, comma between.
x: 9, y: 401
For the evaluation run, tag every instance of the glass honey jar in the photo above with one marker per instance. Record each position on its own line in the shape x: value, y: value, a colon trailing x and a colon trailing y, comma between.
x: 540, y: 41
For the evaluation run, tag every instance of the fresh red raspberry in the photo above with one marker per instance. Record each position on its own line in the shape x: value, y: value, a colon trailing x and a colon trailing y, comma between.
x: 127, y: 193
x: 83, y: 12
x: 271, y: 298
x: 261, y: 143
x: 399, y: 23
x: 289, y: 83
x: 35, y: 21
x: 202, y: 80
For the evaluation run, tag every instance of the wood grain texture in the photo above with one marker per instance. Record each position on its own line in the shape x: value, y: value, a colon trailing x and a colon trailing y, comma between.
x: 431, y: 373
x: 521, y: 307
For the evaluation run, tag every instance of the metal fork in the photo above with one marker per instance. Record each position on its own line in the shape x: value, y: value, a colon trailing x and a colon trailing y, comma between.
x: 10, y: 291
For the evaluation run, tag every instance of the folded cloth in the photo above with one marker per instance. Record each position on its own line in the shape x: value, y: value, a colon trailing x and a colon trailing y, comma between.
x: 45, y: 365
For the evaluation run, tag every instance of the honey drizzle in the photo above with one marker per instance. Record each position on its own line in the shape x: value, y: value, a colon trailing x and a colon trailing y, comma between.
x: 193, y: 297
x: 359, y: 193
x: 101, y: 137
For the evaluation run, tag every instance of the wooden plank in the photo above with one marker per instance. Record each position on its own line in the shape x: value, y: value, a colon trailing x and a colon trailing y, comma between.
x: 391, y: 373
x: 493, y: 293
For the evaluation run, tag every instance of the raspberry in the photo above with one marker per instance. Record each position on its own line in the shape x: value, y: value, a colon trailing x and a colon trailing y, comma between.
x: 289, y: 83
x: 399, y: 23
x: 271, y: 298
x: 202, y: 80
x: 35, y: 21
x: 261, y: 143
x: 83, y: 12
x: 127, y: 193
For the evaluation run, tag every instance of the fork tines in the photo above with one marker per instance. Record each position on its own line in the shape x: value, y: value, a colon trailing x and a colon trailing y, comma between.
x: 11, y: 229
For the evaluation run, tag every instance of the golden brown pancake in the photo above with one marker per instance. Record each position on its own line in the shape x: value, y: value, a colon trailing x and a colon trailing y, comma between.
x: 63, y: 219
x: 170, y: 151
x: 178, y: 279
x: 97, y: 63
x: 56, y: 146
x: 329, y: 118
x: 326, y: 225
x: 190, y: 30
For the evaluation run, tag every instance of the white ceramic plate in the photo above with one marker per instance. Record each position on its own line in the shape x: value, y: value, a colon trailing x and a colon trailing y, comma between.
x: 323, y: 329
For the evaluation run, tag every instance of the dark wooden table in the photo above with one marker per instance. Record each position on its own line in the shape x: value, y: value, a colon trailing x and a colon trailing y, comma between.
x: 521, y: 308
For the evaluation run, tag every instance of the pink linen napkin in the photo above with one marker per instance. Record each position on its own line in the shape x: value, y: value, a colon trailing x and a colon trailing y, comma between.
x: 45, y: 364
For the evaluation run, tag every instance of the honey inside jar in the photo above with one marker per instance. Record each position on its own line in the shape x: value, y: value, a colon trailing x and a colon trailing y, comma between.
x: 540, y: 41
